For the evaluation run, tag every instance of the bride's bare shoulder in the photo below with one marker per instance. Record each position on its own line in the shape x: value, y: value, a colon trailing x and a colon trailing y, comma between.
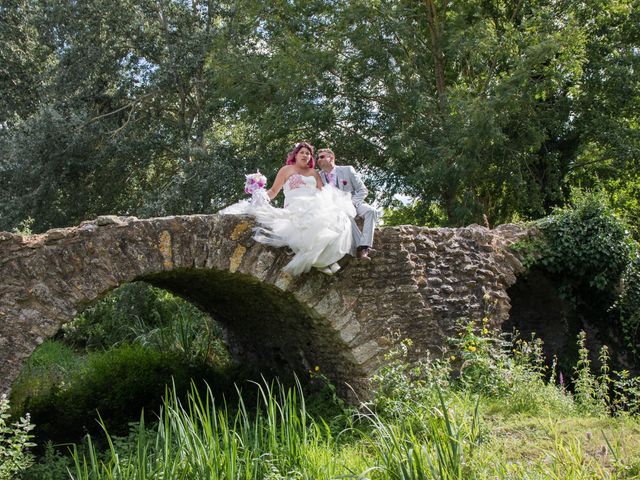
x: 287, y: 169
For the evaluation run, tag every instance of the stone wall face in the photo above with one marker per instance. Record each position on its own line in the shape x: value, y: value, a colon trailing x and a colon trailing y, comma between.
x: 419, y: 283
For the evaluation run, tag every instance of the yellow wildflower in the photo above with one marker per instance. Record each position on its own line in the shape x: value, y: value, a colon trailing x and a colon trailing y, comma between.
x: 471, y: 348
x: 317, y: 368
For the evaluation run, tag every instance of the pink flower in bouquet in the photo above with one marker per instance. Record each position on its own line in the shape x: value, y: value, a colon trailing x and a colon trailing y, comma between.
x: 254, y: 182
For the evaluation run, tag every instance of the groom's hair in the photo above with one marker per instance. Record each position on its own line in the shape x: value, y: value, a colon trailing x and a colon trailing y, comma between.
x: 326, y: 150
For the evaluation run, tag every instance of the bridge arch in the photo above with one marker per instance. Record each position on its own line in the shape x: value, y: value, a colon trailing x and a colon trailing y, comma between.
x: 419, y: 283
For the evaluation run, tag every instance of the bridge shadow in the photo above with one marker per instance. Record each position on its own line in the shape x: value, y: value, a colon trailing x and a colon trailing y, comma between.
x: 263, y: 326
x: 538, y: 308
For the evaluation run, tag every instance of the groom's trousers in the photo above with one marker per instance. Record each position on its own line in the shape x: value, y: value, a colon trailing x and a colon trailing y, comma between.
x: 369, y: 215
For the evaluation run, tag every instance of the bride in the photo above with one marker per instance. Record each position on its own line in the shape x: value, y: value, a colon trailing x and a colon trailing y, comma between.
x: 315, y: 222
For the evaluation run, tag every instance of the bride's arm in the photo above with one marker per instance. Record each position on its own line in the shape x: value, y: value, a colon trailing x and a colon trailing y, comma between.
x: 318, y: 180
x: 281, y: 177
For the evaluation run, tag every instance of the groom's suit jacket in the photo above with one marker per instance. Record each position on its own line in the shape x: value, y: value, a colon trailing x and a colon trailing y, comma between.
x: 347, y: 180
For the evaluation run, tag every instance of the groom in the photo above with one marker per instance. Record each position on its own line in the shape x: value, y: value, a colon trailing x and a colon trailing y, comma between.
x: 346, y: 179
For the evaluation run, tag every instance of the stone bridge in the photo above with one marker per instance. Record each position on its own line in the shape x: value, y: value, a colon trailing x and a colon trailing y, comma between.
x: 419, y: 283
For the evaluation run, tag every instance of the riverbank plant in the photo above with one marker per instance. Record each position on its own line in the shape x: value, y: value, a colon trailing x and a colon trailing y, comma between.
x: 15, y: 441
x: 492, y: 411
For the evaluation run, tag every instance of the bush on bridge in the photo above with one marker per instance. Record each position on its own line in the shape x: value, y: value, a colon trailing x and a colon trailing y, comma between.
x: 593, y: 259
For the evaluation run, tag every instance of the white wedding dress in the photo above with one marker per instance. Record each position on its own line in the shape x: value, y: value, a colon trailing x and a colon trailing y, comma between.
x: 315, y: 224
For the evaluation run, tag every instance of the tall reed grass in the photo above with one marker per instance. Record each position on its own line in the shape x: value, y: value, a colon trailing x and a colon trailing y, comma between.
x: 278, y: 439
x: 199, y: 439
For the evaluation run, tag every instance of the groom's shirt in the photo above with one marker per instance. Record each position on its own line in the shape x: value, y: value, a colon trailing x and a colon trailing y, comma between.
x: 332, y: 177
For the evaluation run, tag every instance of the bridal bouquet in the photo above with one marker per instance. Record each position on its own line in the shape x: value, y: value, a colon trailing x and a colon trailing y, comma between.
x: 254, y: 182
x: 254, y: 186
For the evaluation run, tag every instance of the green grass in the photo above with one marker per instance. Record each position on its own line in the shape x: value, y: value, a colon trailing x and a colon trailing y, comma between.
x: 453, y: 438
x: 559, y: 446
x: 446, y: 437
x: 503, y: 418
x: 47, y: 368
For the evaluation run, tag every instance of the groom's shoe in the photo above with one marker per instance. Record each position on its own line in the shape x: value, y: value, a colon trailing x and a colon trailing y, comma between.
x: 363, y: 253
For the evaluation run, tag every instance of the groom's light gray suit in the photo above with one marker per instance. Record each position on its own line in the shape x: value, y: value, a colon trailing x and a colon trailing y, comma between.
x: 347, y: 180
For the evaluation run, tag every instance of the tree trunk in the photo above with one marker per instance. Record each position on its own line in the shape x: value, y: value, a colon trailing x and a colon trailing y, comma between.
x: 435, y: 22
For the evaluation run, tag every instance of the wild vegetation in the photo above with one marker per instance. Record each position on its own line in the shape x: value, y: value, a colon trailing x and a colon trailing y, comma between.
x: 593, y: 260
x: 474, y: 111
x: 488, y: 408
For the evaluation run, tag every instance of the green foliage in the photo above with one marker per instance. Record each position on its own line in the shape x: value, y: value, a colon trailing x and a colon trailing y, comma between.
x: 399, y: 385
x: 593, y: 259
x: 484, y: 359
x: 45, y: 371
x: 475, y: 108
x: 113, y: 113
x: 323, y: 402
x: 117, y: 385
x: 198, y: 439
x: 629, y: 303
x: 510, y: 374
x: 24, y: 58
x: 405, y: 454
x: 414, y: 213
x: 610, y: 393
x: 441, y: 432
x: 14, y: 443
x: 129, y: 346
x: 24, y: 227
x: 586, y: 243
x: 139, y: 313
x: 511, y: 371
x: 626, y: 394
x: 52, y: 465
x: 587, y: 387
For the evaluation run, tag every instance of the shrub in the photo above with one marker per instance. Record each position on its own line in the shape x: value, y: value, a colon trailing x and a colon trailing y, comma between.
x: 50, y: 466
x: 511, y: 371
x: 47, y: 369
x: 398, y: 385
x: 586, y: 384
x: 14, y: 442
x: 484, y: 358
x: 629, y: 303
x: 323, y: 401
x: 117, y: 385
x: 610, y: 392
x: 586, y: 244
x: 626, y: 393
x: 590, y: 253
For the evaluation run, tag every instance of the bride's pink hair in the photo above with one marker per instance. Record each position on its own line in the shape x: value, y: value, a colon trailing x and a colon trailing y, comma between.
x: 291, y: 157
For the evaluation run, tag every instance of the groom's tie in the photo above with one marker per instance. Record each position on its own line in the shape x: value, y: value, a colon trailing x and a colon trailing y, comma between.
x: 330, y: 178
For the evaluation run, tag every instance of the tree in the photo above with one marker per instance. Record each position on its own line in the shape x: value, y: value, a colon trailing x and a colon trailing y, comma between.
x: 125, y: 121
x: 475, y: 109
